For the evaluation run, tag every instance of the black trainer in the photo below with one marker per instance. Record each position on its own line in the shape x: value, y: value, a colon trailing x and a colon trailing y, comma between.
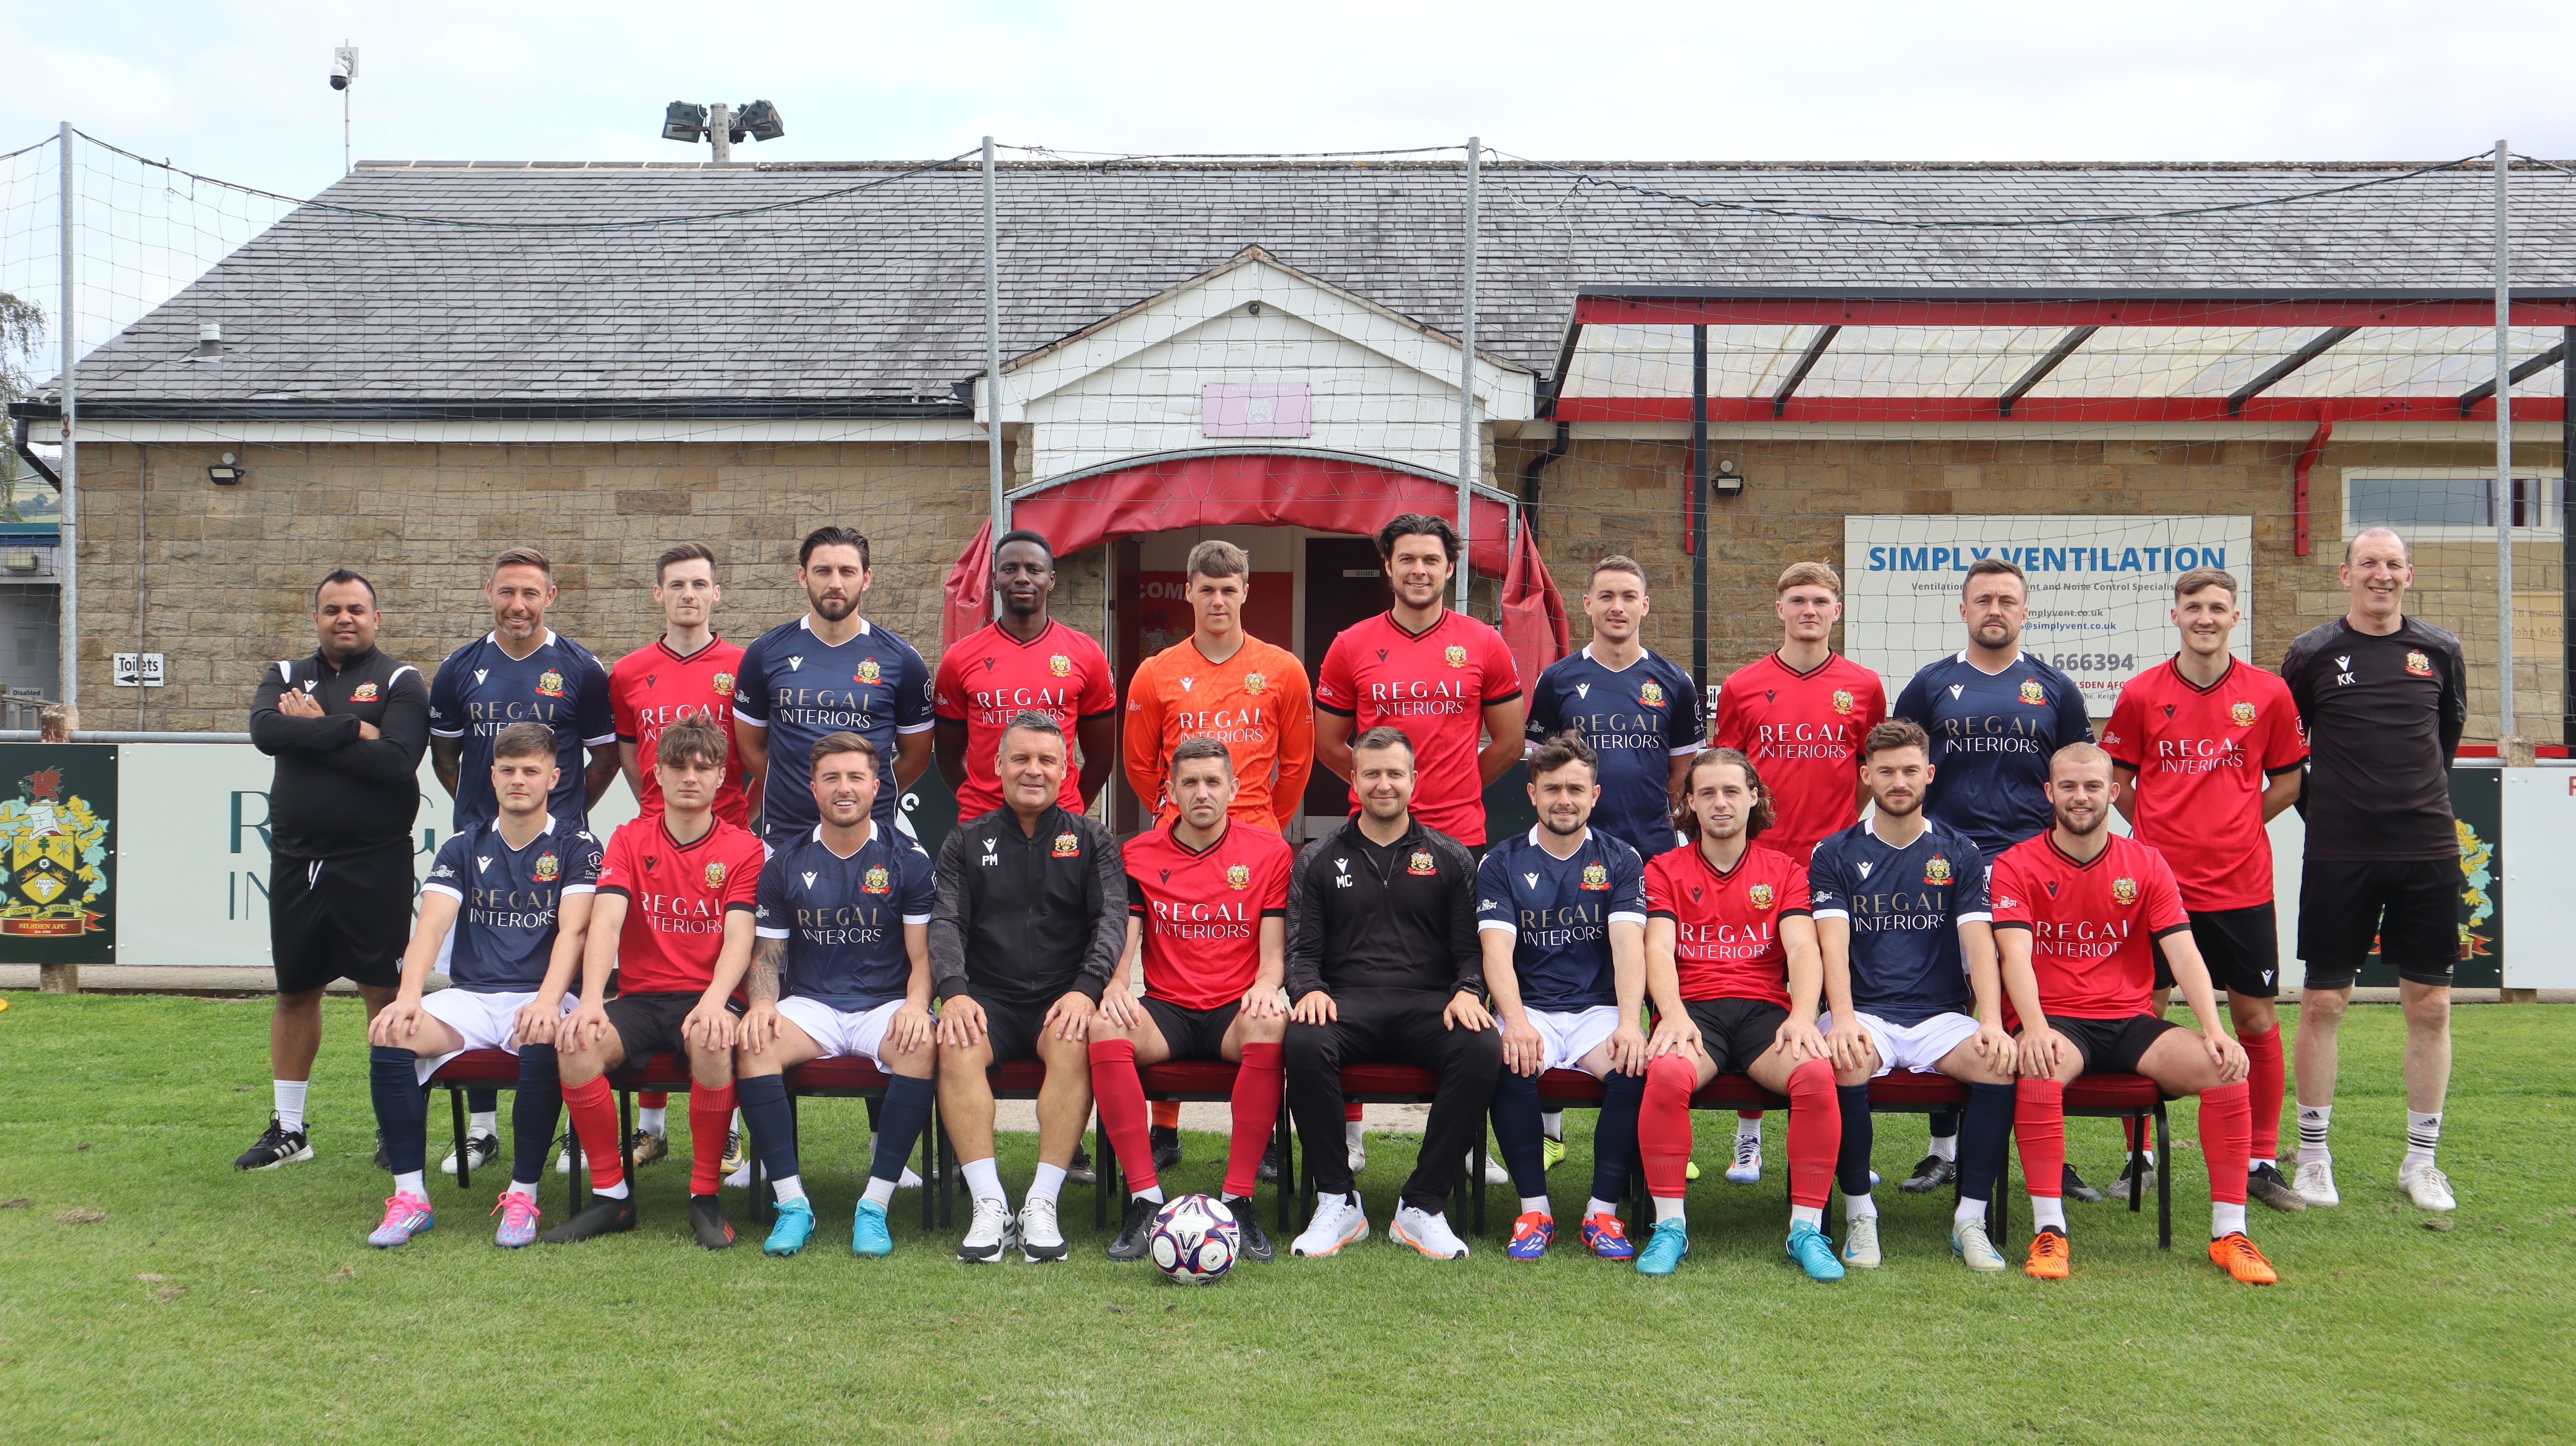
x: 1167, y: 1147
x: 2264, y: 1183
x: 1247, y: 1222
x: 2123, y: 1187
x: 604, y: 1217
x: 1931, y: 1174
x: 275, y: 1146
x: 2075, y: 1188
x: 707, y: 1218
x: 1270, y: 1164
x: 1080, y: 1171
x: 1135, y: 1230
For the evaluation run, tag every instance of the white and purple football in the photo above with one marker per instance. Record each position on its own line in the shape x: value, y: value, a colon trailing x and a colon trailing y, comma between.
x: 1195, y: 1240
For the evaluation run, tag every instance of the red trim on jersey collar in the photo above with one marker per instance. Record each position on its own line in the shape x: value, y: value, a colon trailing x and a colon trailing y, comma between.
x: 1225, y: 826
x: 2051, y: 838
x: 2175, y: 663
x: 677, y: 656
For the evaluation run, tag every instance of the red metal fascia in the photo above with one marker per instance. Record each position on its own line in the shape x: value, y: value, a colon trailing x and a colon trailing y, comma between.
x: 2299, y: 486
x: 1954, y: 312
x: 2051, y: 409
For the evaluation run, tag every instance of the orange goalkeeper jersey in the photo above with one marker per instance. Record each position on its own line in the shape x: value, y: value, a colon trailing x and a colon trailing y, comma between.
x: 1257, y: 703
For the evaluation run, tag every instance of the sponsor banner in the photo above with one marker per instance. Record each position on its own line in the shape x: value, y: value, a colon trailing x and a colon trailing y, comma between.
x: 59, y: 897
x: 2101, y: 588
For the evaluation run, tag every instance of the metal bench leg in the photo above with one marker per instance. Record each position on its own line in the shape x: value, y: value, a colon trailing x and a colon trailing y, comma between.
x: 2164, y: 1182
x: 2138, y: 1162
x: 947, y: 1173
x: 1104, y: 1166
x: 464, y: 1157
x: 1286, y: 1186
x: 626, y: 1136
x: 930, y: 1185
x: 574, y: 1180
x: 1477, y: 1186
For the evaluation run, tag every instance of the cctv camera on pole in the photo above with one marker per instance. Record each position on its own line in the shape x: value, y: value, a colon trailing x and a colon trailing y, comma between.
x: 344, y: 70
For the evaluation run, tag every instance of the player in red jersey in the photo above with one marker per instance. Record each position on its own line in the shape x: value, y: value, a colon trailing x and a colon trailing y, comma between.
x: 2079, y: 916
x: 674, y: 917
x: 1022, y: 662
x: 2206, y: 750
x: 1434, y: 672
x: 1207, y: 919
x: 1734, y: 972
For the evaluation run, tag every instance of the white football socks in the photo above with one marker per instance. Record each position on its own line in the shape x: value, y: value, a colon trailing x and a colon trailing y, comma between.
x: 289, y: 1094
x: 2423, y: 1137
x: 1154, y: 1194
x: 653, y: 1122
x: 2226, y: 1219
x: 2313, y: 1120
x: 984, y: 1179
x: 1859, y: 1207
x: 486, y: 1123
x: 1672, y: 1210
x: 790, y: 1188
x: 1537, y: 1205
x: 1552, y: 1125
x: 2047, y: 1210
x: 618, y: 1191
x: 1945, y: 1147
x: 1748, y: 1129
x: 1811, y: 1216
x: 527, y: 1188
x: 880, y: 1192
x: 1968, y: 1210
x: 409, y: 1183
x: 1592, y: 1207
x: 1048, y: 1184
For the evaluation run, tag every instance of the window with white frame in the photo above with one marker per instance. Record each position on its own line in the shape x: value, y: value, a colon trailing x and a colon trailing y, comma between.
x: 2456, y: 502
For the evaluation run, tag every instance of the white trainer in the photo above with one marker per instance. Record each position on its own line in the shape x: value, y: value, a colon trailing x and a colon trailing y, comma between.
x: 1968, y: 1242
x: 910, y: 1181
x: 1496, y: 1172
x: 1041, y: 1239
x: 1359, y: 1151
x: 2315, y: 1183
x: 2428, y: 1187
x: 481, y: 1150
x: 1747, y: 1169
x: 1860, y: 1242
x: 1338, y: 1221
x: 1427, y: 1233
x: 990, y: 1233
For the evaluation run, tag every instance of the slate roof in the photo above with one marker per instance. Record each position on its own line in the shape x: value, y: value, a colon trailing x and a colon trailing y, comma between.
x: 878, y: 294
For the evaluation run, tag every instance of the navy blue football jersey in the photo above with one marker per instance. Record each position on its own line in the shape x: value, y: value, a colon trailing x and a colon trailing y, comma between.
x: 1905, y: 906
x: 1559, y: 913
x: 508, y: 902
x: 1638, y: 718
x: 843, y: 918
x: 481, y: 690
x: 1992, y: 734
x: 798, y: 689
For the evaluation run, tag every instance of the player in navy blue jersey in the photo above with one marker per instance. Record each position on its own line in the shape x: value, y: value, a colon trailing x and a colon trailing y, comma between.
x: 1911, y: 983
x: 842, y: 968
x: 1995, y: 715
x: 521, y: 672
x: 1561, y: 919
x: 503, y: 912
x: 830, y: 671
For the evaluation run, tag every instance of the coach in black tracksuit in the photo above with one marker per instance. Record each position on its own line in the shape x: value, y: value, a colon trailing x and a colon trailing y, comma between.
x: 1384, y: 967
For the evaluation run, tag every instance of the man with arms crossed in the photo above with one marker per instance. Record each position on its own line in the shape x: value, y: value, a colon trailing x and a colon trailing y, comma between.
x: 1561, y: 917
x: 1384, y: 967
x: 1910, y: 983
x: 1732, y: 966
x: 1024, y: 932
x: 346, y: 727
x: 1800, y: 713
x: 1207, y: 918
x: 2206, y: 750
x: 2385, y: 699
x: 673, y: 917
x: 1994, y: 714
x: 502, y: 913
x: 2079, y: 913
x: 842, y: 968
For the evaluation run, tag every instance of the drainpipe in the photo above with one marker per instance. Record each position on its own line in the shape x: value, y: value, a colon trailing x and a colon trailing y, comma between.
x: 1530, y: 474
x: 20, y: 446
x: 2299, y: 485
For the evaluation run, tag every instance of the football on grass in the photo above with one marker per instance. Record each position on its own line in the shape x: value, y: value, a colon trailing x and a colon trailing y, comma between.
x: 1195, y: 1240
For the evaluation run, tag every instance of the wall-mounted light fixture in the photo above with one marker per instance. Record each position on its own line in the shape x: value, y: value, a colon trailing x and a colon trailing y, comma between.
x: 1727, y: 482
x: 227, y: 472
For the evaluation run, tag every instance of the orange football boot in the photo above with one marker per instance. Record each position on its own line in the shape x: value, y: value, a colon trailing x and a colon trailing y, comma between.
x: 2234, y: 1252
x: 2048, y: 1258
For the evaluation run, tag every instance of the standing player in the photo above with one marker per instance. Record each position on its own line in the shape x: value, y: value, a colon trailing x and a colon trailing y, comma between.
x: 1910, y: 982
x: 1994, y: 714
x: 2206, y: 750
x: 843, y: 969
x: 502, y: 913
x: 1800, y: 713
x: 673, y: 917
x: 2078, y: 914
x: 1207, y: 919
x: 1561, y: 920
x: 2385, y: 699
x: 1732, y: 965
x: 1022, y: 662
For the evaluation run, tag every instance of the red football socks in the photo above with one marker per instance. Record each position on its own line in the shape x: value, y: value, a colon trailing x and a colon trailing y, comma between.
x: 1257, y: 1084
x: 593, y: 1107
x: 2264, y: 1077
x: 2134, y: 1131
x: 1351, y: 1112
x: 652, y: 1100
x: 2223, y: 1124
x: 710, y: 1121
x: 1815, y: 1132
x: 1121, y: 1098
x: 1664, y: 1126
x: 2039, y: 1123
x: 1167, y: 1114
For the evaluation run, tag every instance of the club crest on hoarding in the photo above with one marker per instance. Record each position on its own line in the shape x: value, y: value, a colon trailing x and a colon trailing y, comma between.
x: 54, y: 849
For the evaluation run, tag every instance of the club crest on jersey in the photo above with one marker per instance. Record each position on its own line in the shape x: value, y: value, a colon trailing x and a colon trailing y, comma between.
x: 2030, y: 691
x: 546, y: 868
x: 1238, y: 877
x: 2419, y: 665
x: 716, y: 874
x: 876, y: 882
x: 1842, y: 700
x: 1422, y: 863
x: 1651, y: 694
x: 1060, y: 665
x: 550, y: 683
x: 1759, y: 896
x: 1067, y: 845
x: 1454, y: 655
x: 1936, y: 870
x: 722, y: 683
x: 363, y: 693
x: 868, y: 672
x: 1254, y: 682
x: 1595, y: 877
x: 2124, y: 891
x: 2240, y: 714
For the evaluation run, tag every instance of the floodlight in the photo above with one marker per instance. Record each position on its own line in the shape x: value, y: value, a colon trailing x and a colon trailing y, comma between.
x: 760, y: 120
x: 684, y: 122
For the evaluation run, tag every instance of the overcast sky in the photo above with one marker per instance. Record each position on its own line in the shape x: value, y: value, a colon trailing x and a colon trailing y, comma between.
x: 238, y: 90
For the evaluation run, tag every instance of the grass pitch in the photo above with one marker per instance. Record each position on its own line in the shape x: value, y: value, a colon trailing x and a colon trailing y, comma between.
x: 209, y: 1305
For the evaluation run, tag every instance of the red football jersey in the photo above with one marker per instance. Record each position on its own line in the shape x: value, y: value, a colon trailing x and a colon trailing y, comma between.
x: 677, y: 896
x: 2202, y: 755
x: 1803, y: 732
x: 652, y: 687
x: 1727, y: 925
x: 990, y: 677
x: 1434, y: 686
x: 1202, y: 912
x: 2093, y: 926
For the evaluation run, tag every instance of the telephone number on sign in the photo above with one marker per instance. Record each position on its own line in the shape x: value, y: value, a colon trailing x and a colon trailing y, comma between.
x: 2093, y: 662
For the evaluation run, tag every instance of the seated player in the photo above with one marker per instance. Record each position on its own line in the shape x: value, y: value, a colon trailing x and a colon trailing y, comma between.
x: 1207, y: 918
x: 842, y: 968
x: 1732, y: 964
x: 1384, y: 967
x: 1030, y: 909
x: 2080, y: 913
x: 1561, y: 917
x: 502, y: 913
x: 673, y: 917
x: 1910, y: 982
